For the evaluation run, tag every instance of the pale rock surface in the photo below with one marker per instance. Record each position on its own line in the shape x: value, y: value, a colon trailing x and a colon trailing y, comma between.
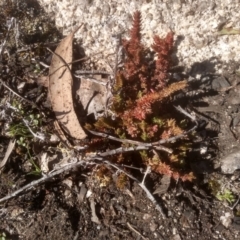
x: 230, y: 162
x: 195, y: 24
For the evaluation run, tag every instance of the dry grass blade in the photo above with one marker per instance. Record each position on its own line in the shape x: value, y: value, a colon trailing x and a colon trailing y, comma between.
x: 60, y: 88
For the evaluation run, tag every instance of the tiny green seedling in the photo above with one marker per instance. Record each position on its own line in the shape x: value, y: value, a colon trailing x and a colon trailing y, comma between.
x: 37, y: 171
x: 3, y: 236
x: 226, y: 195
x: 18, y: 127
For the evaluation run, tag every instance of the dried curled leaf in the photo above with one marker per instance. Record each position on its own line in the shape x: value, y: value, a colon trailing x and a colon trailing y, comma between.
x: 60, y: 88
x: 93, y: 95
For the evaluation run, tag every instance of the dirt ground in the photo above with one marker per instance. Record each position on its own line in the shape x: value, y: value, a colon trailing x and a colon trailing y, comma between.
x: 78, y: 205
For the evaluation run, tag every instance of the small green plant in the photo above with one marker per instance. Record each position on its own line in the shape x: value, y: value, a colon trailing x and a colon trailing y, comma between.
x: 226, y: 195
x: 37, y: 170
x: 17, y: 128
x: 3, y: 236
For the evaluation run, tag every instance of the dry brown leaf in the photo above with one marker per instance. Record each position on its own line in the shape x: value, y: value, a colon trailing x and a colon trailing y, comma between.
x: 60, y: 88
x: 93, y: 95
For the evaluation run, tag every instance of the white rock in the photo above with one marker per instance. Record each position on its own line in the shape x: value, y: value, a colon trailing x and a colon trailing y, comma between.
x: 189, y: 19
x: 231, y: 162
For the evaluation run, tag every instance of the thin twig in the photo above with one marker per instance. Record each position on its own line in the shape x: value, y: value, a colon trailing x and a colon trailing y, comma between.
x: 99, y: 156
x: 92, y: 72
x: 157, y: 144
x: 134, y: 230
x: 42, y: 180
x: 5, y: 40
x: 148, y: 170
x: 10, y: 148
x: 138, y: 143
x: 67, y: 64
x: 181, y: 110
x: 122, y: 150
x: 92, y: 80
x: 148, y: 193
x: 236, y: 203
x: 24, y: 99
x: 94, y: 217
x: 118, y: 44
x: 36, y: 135
x: 175, y: 138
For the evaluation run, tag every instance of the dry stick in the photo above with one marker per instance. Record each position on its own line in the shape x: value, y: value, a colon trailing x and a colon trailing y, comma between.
x: 70, y: 166
x: 44, y: 179
x: 40, y: 136
x: 169, y: 150
x: 181, y: 110
x: 122, y: 150
x: 5, y: 40
x: 94, y: 217
x: 24, y: 99
x: 118, y: 44
x: 173, y: 139
x: 10, y: 148
x: 92, y: 72
x: 78, y: 60
x: 156, y: 144
x: 148, y: 193
x: 148, y: 170
x: 67, y: 64
x: 134, y: 230
x: 235, y: 204
x: 99, y: 156
x: 92, y: 80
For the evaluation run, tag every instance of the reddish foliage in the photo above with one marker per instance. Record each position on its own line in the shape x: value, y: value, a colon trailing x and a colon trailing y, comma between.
x: 163, y: 47
x: 141, y: 89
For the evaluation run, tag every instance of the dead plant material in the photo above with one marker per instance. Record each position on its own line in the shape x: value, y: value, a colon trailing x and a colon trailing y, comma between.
x: 60, y: 88
x: 10, y: 148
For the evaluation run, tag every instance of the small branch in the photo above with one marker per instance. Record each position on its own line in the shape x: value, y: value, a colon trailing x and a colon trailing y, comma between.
x: 122, y: 150
x: 148, y: 145
x: 88, y: 160
x: 92, y: 72
x: 118, y: 44
x: 134, y: 230
x: 158, y: 144
x: 65, y: 64
x: 85, y: 161
x: 42, y: 180
x: 148, y: 193
x: 5, y: 40
x: 235, y: 204
x: 175, y: 138
x: 92, y: 80
x: 94, y: 217
x: 24, y: 99
x: 148, y: 170
x: 181, y: 110
x: 36, y: 135
x: 10, y: 148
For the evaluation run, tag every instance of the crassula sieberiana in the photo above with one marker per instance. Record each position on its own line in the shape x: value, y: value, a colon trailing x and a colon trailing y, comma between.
x: 143, y: 107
